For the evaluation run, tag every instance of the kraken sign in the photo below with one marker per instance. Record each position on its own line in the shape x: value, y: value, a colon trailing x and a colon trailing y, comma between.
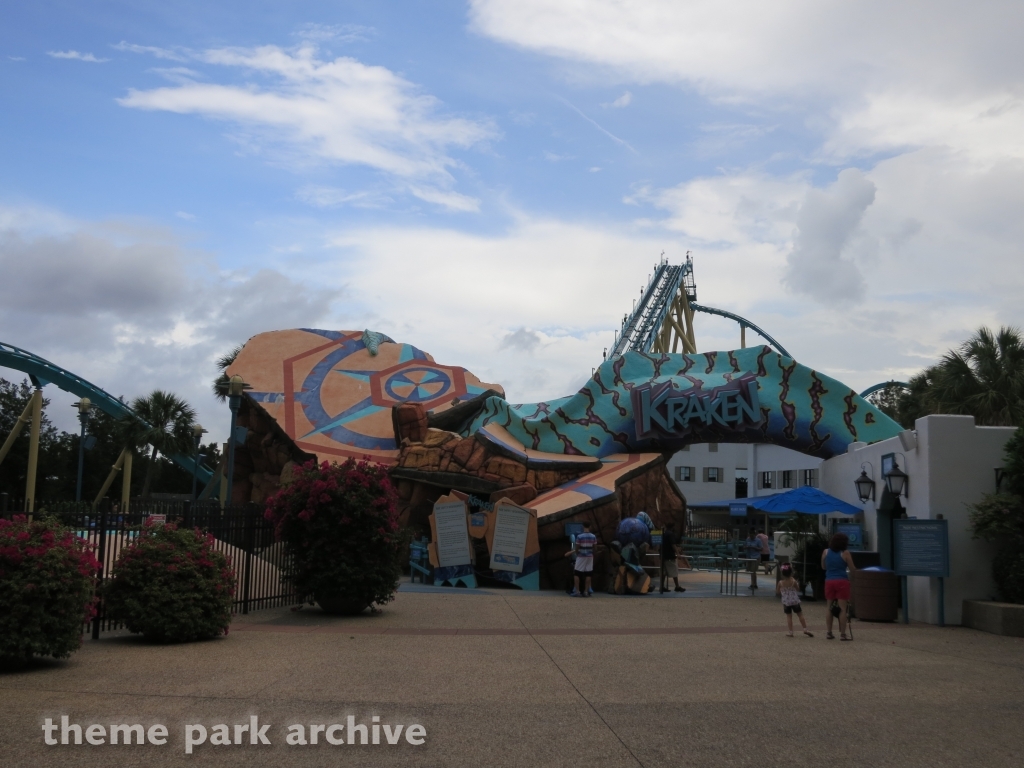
x: 662, y: 411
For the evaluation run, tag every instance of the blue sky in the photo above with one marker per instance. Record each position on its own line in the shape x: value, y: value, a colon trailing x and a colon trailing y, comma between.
x: 493, y: 180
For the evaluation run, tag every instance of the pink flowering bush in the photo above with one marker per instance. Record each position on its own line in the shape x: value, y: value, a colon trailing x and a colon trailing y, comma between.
x: 47, y: 589
x: 340, y: 523
x: 171, y: 586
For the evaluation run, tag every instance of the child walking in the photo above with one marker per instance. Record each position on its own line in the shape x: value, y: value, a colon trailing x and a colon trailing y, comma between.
x: 789, y: 589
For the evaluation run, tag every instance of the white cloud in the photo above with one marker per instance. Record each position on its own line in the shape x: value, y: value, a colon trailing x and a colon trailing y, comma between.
x: 623, y: 101
x: 152, y: 50
x: 335, y: 33
x: 128, y: 308
x: 76, y: 56
x: 340, y: 111
x: 320, y: 196
x: 16, y: 58
x: 185, y: 215
x: 827, y: 220
x: 879, y: 69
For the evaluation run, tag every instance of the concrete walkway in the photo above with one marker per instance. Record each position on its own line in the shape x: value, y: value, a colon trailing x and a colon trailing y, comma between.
x: 503, y: 678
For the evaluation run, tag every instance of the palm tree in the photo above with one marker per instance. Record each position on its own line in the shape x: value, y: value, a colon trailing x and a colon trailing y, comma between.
x: 220, y: 384
x: 984, y: 378
x: 164, y: 423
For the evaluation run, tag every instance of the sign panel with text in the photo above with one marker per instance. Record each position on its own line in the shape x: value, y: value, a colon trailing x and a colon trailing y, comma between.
x: 922, y: 547
x: 511, y: 527
x: 452, y: 534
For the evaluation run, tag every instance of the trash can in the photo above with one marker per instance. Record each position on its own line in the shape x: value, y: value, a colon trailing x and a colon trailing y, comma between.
x: 876, y: 594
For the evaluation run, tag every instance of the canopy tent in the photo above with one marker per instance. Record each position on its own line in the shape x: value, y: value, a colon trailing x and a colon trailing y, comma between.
x: 802, y: 501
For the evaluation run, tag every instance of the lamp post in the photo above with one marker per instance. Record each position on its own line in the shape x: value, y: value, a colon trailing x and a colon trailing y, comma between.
x: 865, y: 485
x: 896, y: 480
x: 84, y: 406
x: 197, y: 433
x: 236, y: 386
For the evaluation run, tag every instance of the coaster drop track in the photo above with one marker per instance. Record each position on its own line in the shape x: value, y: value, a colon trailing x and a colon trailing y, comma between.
x: 662, y: 318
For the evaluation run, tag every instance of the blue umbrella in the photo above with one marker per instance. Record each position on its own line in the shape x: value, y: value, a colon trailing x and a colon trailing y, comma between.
x: 803, y: 501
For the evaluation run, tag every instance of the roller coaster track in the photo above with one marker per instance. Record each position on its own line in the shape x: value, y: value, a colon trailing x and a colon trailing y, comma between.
x: 43, y: 372
x: 662, y: 319
x: 743, y: 323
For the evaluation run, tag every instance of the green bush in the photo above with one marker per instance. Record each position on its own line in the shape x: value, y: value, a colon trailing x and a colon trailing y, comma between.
x: 340, y: 523
x: 47, y: 589
x: 171, y: 585
x: 999, y: 518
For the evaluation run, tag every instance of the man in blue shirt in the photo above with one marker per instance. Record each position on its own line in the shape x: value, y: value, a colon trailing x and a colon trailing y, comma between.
x: 584, y: 548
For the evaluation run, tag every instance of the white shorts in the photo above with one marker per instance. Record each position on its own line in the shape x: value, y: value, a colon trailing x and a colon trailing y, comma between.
x: 584, y: 564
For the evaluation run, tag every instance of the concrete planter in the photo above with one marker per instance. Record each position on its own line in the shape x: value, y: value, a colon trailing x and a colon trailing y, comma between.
x: 997, y: 618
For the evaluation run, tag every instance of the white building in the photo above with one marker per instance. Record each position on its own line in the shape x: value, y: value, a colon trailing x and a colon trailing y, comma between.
x: 718, y: 471
x: 951, y: 463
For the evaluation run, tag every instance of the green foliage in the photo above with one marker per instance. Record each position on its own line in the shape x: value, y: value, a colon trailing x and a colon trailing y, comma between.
x: 999, y: 518
x: 47, y: 589
x: 983, y: 378
x: 58, y: 455
x: 220, y: 384
x: 171, y: 585
x: 887, y: 400
x: 340, y: 523
x: 164, y: 423
x: 811, y: 542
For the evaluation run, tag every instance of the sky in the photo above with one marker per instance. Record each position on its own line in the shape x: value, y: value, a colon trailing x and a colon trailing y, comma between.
x: 492, y: 181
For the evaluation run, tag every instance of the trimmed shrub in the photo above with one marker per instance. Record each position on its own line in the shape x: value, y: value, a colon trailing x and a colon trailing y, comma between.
x: 171, y: 586
x: 999, y: 518
x: 340, y: 523
x: 47, y: 589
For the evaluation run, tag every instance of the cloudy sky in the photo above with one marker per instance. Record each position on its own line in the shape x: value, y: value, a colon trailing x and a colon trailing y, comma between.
x: 493, y: 180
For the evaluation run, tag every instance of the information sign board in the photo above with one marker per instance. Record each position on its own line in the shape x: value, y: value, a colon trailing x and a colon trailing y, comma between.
x: 573, y: 529
x: 452, y: 534
x: 854, y: 532
x: 738, y: 508
x: 922, y: 547
x: 511, y: 527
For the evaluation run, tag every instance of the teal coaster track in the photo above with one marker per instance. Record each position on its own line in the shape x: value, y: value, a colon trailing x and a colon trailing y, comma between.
x: 648, y: 328
x: 43, y: 372
x: 641, y: 329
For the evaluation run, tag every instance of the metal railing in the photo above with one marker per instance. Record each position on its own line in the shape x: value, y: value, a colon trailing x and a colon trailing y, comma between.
x: 262, y: 566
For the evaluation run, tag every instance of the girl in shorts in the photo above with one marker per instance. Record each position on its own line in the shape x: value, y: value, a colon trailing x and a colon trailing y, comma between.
x: 789, y: 589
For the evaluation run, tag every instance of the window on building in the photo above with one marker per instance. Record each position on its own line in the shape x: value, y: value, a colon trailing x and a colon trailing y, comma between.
x: 713, y: 447
x: 766, y: 480
x: 741, y: 487
x: 786, y: 478
x: 713, y: 474
x: 810, y: 477
x: 684, y: 474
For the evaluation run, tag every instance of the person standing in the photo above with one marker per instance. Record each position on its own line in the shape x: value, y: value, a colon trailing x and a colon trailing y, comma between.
x: 766, y: 550
x: 835, y: 561
x: 753, y: 548
x: 788, y: 589
x: 585, y: 544
x: 669, y: 567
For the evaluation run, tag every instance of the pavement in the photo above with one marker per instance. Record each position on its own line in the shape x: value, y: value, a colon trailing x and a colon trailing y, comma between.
x: 507, y: 678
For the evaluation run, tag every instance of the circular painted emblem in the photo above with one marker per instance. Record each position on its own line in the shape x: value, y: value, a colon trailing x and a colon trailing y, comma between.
x: 417, y: 385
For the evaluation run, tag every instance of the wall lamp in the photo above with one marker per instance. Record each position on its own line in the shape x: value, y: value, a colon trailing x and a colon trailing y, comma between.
x: 865, y: 484
x: 896, y: 480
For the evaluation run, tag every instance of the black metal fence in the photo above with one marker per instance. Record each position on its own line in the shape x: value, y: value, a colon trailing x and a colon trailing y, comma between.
x: 707, y: 532
x: 240, y: 532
